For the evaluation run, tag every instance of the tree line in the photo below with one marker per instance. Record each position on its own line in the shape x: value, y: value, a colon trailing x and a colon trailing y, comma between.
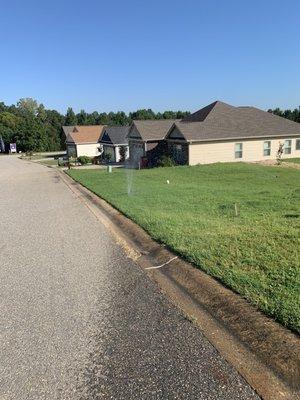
x: 34, y: 128
x: 293, y: 115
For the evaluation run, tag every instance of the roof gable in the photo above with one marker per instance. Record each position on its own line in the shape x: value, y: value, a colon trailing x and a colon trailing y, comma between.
x: 151, y: 130
x: 213, y: 110
x: 67, y: 129
x: 225, y: 122
x: 84, y: 133
x: 105, y: 137
x: 134, y: 133
x: 115, y: 135
x: 175, y: 133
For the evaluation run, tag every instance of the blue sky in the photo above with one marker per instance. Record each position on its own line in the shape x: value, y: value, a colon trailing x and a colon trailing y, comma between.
x: 125, y: 55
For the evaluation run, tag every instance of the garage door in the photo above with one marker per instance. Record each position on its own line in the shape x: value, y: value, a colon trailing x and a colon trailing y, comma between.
x: 136, y: 151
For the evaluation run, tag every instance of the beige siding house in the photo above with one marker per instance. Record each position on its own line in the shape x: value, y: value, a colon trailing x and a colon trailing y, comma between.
x: 220, y: 132
x: 83, y: 140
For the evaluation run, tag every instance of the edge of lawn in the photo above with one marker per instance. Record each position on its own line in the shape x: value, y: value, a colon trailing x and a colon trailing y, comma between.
x: 247, y: 338
x: 188, y: 259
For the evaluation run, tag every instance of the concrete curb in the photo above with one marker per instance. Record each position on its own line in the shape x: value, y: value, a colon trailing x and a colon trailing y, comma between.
x: 265, y: 353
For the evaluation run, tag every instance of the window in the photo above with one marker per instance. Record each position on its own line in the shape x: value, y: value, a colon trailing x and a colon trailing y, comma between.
x: 238, y: 150
x: 287, y: 146
x: 297, y: 144
x: 267, y: 148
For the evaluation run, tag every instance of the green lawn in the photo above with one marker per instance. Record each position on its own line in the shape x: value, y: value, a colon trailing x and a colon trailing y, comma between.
x: 48, y: 162
x: 292, y: 160
x: 39, y: 156
x: 255, y: 253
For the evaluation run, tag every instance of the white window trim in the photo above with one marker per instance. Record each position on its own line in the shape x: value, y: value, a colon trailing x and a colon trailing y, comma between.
x: 238, y: 151
x: 268, y: 148
x: 288, y: 147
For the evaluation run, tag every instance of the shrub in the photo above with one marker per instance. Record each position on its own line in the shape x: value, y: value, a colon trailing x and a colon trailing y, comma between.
x: 71, y: 161
x: 123, y: 153
x: 166, y: 161
x: 96, y: 160
x: 107, y: 157
x: 84, y: 160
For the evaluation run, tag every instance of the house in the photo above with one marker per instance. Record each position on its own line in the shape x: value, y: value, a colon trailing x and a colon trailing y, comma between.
x: 220, y: 132
x: 114, y: 141
x: 83, y: 140
x: 146, y: 140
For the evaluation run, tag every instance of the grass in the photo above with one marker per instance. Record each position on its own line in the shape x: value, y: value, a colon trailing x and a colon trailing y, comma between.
x: 255, y: 253
x: 39, y: 156
x: 48, y: 162
x: 292, y: 160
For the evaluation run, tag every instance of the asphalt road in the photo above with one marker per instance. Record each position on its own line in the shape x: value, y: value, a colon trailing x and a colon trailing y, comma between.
x: 79, y: 320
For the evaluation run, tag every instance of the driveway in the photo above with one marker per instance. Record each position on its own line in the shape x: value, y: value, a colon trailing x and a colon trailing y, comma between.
x: 78, y: 319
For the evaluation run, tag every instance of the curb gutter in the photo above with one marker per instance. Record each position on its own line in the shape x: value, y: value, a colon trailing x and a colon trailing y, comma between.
x: 265, y: 353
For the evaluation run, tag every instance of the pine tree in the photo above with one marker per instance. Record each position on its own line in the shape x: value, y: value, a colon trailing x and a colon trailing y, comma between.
x: 70, y: 117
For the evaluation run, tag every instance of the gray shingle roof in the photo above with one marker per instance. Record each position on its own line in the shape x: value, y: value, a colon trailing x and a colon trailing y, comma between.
x: 115, y: 134
x: 219, y: 121
x: 153, y: 129
x: 214, y: 109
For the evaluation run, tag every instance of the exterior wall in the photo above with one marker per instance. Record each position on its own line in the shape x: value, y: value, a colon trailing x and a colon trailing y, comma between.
x: 212, y: 152
x: 71, y: 150
x: 179, y: 151
x: 134, y: 134
x: 136, y: 151
x: 117, y: 152
x: 176, y: 134
x: 90, y: 150
x: 114, y: 151
x: 154, y: 152
x: 107, y: 149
